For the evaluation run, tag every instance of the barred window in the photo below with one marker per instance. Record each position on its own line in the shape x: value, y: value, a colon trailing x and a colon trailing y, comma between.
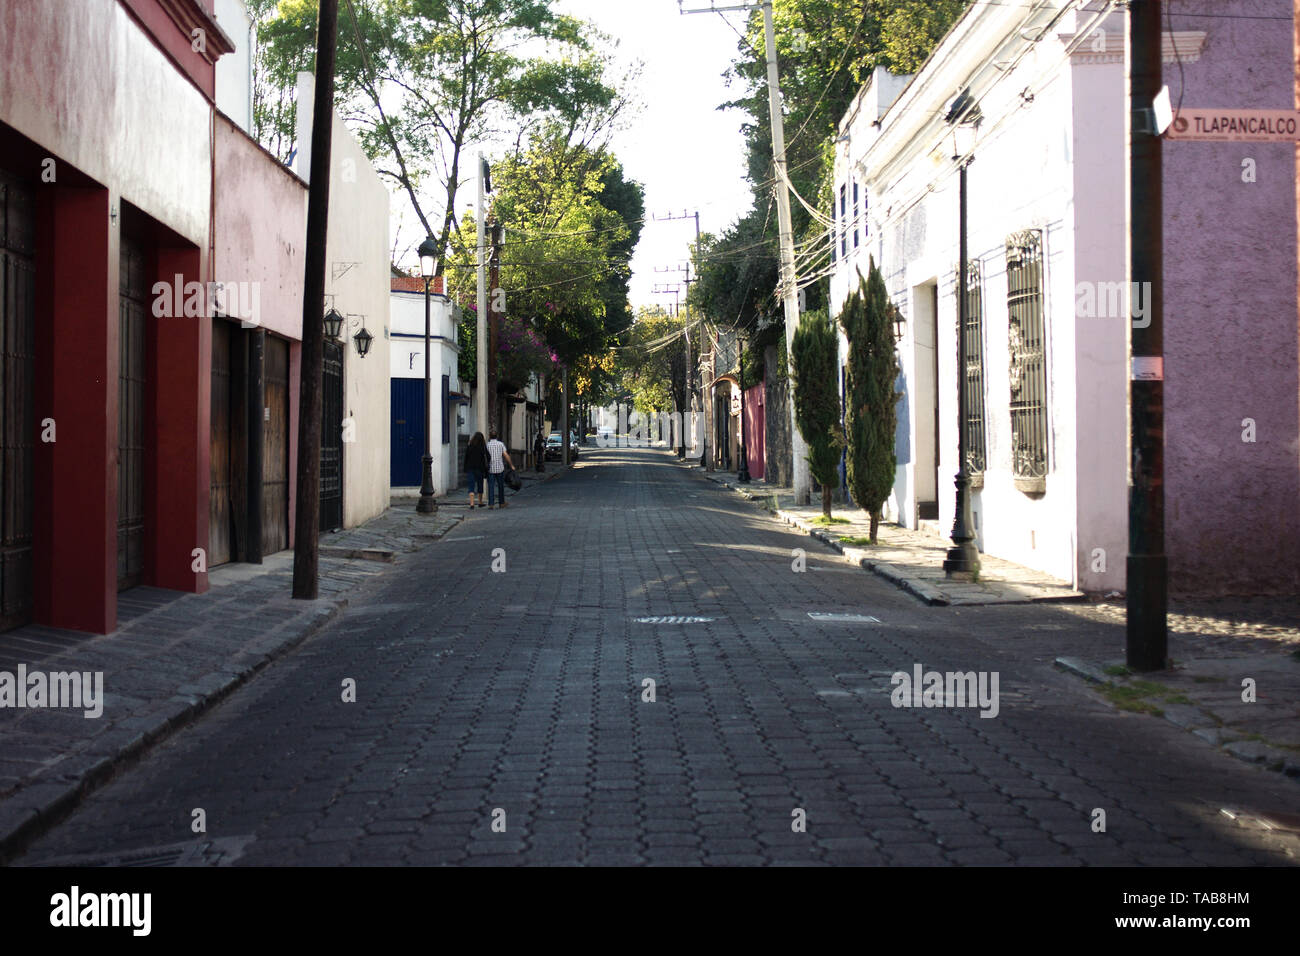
x: 855, y: 215
x: 834, y: 228
x: 974, y: 378
x: 844, y: 232
x: 1028, y: 361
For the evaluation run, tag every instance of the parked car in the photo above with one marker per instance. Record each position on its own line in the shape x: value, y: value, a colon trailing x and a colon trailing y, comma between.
x: 555, y: 447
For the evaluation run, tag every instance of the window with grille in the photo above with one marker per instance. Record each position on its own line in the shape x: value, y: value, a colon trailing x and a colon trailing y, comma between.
x: 1028, y: 350
x: 844, y: 231
x: 974, y: 378
x: 856, y: 220
x: 834, y: 228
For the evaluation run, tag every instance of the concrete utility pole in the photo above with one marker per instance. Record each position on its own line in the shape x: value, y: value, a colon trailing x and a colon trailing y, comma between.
x: 481, y: 334
x: 307, y: 509
x: 789, y: 281
x: 1147, y: 567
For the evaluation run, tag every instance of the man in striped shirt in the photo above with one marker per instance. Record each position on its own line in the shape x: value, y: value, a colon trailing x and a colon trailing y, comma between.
x: 498, y: 462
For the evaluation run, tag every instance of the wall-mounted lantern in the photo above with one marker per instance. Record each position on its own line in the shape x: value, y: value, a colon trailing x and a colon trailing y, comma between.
x: 362, y: 341
x: 333, y: 324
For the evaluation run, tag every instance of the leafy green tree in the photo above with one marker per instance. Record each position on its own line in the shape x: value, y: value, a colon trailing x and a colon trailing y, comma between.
x: 814, y: 359
x: 571, y: 223
x: 871, y: 415
x: 420, y: 80
x: 826, y: 50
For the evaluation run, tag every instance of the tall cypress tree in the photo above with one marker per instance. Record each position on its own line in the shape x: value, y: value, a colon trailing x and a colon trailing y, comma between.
x: 814, y: 358
x: 871, y: 415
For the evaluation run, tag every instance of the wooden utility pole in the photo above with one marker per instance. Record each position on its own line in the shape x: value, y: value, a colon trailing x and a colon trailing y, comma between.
x: 307, y: 512
x: 496, y: 309
x: 1147, y: 567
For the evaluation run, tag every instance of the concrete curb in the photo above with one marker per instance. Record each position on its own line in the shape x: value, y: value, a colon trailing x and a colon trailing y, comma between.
x: 33, y: 810
x: 1196, y: 721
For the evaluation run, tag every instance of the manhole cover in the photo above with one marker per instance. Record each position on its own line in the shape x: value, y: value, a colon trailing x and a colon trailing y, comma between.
x: 827, y: 617
x: 673, y: 619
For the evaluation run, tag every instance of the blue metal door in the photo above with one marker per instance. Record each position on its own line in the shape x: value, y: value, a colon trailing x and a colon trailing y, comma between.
x: 408, y: 432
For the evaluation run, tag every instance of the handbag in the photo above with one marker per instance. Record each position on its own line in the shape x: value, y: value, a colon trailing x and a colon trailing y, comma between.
x: 513, y: 480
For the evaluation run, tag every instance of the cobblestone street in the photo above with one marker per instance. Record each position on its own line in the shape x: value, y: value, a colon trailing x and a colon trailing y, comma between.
x: 623, y: 667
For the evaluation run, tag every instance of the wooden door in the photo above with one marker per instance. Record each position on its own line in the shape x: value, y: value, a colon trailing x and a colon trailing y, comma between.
x: 220, y: 490
x: 275, y: 448
x: 406, y: 462
x: 133, y: 292
x: 331, y: 439
x: 17, y: 383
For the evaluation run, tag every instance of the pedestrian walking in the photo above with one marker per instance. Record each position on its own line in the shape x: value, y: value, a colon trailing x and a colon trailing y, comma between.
x: 498, y: 461
x: 539, y: 451
x: 476, y: 466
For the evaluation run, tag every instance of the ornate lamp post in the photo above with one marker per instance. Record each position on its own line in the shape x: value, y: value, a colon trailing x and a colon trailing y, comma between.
x: 428, y: 266
x: 963, y: 560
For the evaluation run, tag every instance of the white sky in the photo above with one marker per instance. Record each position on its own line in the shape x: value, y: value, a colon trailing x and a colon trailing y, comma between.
x: 687, y: 154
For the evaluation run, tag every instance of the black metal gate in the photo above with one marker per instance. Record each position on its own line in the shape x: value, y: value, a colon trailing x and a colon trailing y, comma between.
x: 133, y: 294
x: 331, y: 439
x: 17, y: 382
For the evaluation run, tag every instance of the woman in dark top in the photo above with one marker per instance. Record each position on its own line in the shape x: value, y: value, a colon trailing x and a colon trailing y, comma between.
x: 476, y: 466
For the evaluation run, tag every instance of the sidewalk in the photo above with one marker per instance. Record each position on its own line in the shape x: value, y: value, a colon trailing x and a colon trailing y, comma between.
x: 913, y: 560
x: 173, y: 656
x: 1233, y: 679
x: 1218, y: 648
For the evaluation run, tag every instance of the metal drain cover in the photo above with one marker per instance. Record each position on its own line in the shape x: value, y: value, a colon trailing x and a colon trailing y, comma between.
x: 673, y: 619
x: 219, y: 852
x: 828, y: 617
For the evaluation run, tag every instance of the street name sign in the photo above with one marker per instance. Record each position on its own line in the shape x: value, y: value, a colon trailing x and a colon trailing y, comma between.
x: 1222, y: 125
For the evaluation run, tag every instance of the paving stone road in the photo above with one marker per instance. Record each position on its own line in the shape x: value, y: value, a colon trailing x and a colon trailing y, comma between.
x: 519, y: 697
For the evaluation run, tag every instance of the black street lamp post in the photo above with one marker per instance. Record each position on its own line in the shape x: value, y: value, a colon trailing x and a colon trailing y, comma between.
x: 428, y: 265
x: 963, y: 560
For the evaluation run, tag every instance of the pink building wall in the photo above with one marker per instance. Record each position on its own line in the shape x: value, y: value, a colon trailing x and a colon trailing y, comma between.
x: 755, y: 425
x: 1230, y: 313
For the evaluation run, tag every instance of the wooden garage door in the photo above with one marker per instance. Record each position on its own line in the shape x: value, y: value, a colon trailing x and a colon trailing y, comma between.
x: 17, y: 381
x: 275, y: 448
x: 220, y: 490
x: 133, y: 291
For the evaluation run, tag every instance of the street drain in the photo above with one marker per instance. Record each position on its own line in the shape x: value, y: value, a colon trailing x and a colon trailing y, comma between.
x: 673, y: 619
x: 827, y: 617
x: 219, y: 852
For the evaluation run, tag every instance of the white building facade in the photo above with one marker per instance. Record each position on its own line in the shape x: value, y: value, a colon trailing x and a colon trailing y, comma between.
x: 1047, y: 315
x: 449, y: 413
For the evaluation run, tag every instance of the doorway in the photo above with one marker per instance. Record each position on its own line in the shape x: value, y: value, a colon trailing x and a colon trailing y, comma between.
x: 133, y: 293
x: 17, y: 386
x: 331, y: 439
x: 925, y: 304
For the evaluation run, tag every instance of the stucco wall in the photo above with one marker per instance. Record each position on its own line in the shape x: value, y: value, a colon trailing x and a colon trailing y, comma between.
x: 259, y: 229
x: 356, y: 275
x: 407, y: 361
x: 1232, y: 524
x: 95, y: 91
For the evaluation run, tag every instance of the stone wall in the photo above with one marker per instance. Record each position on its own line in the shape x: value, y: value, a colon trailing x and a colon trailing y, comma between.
x: 777, y: 425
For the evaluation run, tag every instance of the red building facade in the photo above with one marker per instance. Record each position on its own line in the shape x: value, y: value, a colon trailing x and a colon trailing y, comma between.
x: 109, y: 168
